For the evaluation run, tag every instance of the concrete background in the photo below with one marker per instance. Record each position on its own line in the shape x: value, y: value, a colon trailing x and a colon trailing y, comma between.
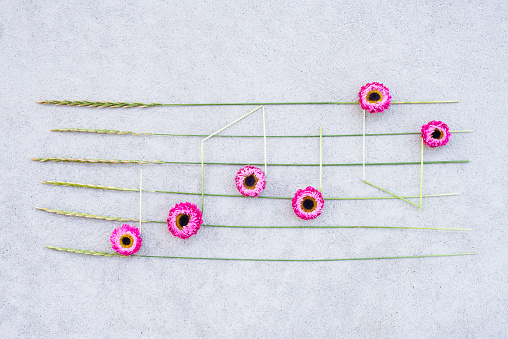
x: 209, y: 51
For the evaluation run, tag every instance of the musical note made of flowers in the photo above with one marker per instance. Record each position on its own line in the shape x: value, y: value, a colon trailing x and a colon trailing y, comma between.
x: 185, y: 219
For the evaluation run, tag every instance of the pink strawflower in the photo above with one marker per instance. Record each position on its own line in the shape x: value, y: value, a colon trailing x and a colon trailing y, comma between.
x: 308, y: 203
x: 184, y: 220
x: 126, y: 240
x: 374, y: 97
x: 435, y: 134
x: 250, y: 181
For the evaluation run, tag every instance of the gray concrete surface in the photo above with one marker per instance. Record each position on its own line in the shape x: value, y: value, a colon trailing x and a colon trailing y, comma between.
x: 209, y: 51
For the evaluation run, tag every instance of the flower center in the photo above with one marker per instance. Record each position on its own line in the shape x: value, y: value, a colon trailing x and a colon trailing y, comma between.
x: 182, y: 220
x: 250, y: 182
x: 437, y: 134
x: 126, y: 240
x: 374, y: 96
x: 308, y: 204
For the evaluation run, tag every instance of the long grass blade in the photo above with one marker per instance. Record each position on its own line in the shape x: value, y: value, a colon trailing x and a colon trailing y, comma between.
x: 117, y: 161
x: 118, y: 104
x: 113, y: 188
x: 106, y: 254
x: 108, y: 131
x: 108, y: 218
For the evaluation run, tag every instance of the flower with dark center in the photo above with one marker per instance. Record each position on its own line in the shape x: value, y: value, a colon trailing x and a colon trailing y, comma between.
x: 125, y: 239
x: 435, y: 134
x: 308, y: 203
x: 184, y: 220
x: 250, y: 181
x: 374, y: 97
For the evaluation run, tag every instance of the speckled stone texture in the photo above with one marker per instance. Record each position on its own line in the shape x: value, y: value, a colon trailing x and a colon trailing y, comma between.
x: 213, y: 51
